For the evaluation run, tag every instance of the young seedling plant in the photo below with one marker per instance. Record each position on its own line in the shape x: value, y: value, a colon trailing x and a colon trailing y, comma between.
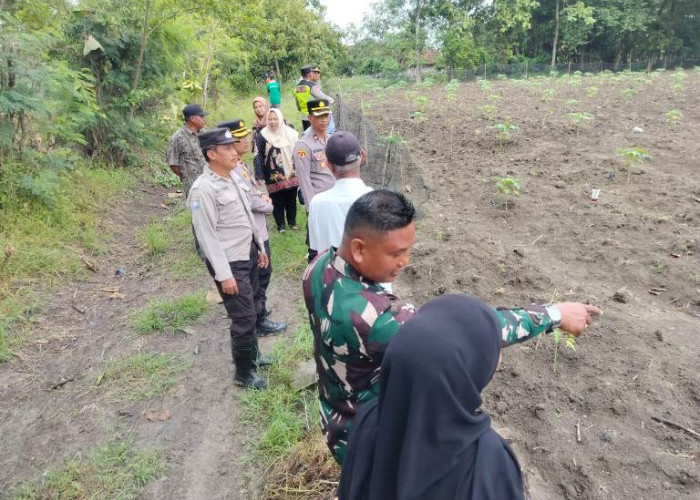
x: 673, y: 117
x: 633, y: 157
x: 592, y: 91
x: 508, y: 187
x: 579, y: 119
x: 504, y: 131
x: 569, y: 342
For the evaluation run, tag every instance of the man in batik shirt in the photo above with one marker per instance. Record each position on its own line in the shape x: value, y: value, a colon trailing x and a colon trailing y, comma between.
x: 353, y: 318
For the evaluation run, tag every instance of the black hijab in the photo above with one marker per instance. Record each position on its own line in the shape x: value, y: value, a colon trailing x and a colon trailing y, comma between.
x: 423, y: 437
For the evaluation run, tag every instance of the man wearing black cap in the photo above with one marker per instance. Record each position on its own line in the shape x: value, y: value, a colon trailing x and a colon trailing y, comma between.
x: 261, y: 206
x: 183, y: 155
x: 328, y: 210
x: 310, y: 156
x: 223, y: 223
x: 308, y: 88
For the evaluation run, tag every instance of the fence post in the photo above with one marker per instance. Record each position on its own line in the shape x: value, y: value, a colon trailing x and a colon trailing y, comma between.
x: 484, y: 71
x: 526, y: 63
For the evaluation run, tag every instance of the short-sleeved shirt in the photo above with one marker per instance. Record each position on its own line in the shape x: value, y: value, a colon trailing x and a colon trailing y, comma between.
x: 184, y: 152
x: 223, y: 221
x: 273, y: 89
x: 353, y: 320
x: 328, y: 211
x: 311, y: 165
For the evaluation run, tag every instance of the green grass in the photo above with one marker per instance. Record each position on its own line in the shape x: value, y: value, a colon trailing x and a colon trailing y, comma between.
x: 283, y: 415
x: 289, y: 249
x: 50, y: 241
x: 141, y: 376
x: 14, y: 324
x: 170, y: 315
x: 111, y: 471
x: 154, y: 238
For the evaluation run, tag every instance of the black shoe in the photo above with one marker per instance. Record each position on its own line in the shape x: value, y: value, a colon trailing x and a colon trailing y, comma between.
x: 267, y: 327
x: 246, y: 376
x: 266, y: 313
x: 259, y: 359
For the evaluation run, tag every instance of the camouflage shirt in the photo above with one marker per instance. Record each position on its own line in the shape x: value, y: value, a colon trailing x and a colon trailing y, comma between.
x: 352, y: 320
x: 184, y: 152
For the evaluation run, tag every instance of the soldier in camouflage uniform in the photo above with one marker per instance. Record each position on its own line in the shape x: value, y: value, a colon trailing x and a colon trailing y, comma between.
x: 184, y: 155
x: 353, y: 318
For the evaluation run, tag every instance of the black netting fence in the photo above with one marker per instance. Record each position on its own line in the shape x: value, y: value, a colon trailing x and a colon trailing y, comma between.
x: 389, y: 162
x: 528, y: 69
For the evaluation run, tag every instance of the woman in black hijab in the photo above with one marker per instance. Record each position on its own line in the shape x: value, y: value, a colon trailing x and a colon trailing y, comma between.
x: 424, y: 436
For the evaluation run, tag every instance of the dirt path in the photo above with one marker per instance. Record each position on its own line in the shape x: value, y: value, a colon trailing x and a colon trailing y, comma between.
x: 51, y: 409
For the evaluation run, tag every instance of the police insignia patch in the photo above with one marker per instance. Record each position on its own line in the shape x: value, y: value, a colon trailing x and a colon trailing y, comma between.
x: 301, y: 153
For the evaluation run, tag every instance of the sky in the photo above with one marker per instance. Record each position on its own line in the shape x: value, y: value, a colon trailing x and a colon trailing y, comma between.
x: 344, y: 12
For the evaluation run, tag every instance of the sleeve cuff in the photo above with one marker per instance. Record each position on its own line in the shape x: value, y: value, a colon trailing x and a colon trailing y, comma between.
x: 555, y: 315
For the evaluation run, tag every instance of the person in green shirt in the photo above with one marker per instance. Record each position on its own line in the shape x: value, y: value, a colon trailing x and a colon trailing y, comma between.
x: 273, y: 90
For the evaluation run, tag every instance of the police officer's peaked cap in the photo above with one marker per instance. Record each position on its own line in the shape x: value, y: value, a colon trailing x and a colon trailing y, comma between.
x: 193, y: 110
x: 214, y: 137
x: 318, y: 107
x: 237, y: 128
x: 307, y: 69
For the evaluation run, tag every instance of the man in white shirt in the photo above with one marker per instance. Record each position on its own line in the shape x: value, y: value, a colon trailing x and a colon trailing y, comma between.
x: 329, y: 208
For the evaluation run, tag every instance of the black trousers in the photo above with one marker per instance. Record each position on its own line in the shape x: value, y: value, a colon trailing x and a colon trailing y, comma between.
x: 284, y: 200
x: 312, y: 253
x: 265, y: 276
x: 244, y: 307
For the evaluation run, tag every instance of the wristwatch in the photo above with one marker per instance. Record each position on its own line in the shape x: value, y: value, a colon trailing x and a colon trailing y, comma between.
x: 555, y: 315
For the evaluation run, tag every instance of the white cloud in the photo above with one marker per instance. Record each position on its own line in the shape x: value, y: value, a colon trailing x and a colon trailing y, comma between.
x: 344, y: 12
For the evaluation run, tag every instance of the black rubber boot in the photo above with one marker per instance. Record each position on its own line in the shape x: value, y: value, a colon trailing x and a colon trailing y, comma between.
x: 259, y: 359
x: 246, y: 375
x: 266, y: 327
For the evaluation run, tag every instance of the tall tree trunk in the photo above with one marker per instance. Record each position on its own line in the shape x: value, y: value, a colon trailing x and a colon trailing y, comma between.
x: 419, y: 9
x: 618, y: 56
x: 556, y: 36
x: 142, y: 49
x: 279, y: 73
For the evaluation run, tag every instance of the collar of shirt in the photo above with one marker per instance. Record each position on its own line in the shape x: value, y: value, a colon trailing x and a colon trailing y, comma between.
x: 214, y: 176
x: 191, y: 132
x: 345, y: 269
x: 350, y: 183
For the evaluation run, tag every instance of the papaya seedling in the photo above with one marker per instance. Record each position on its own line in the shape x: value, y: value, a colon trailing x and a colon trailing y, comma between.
x: 488, y: 110
x: 592, y: 91
x: 629, y: 93
x: 579, y: 119
x: 569, y: 343
x: 451, y: 90
x: 485, y: 85
x: 673, y: 117
x: 548, y: 95
x: 504, y: 131
x: 508, y: 187
x: 632, y: 157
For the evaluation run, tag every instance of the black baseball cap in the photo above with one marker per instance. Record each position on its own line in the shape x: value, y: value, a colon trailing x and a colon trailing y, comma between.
x: 343, y: 148
x: 193, y: 110
x: 214, y: 137
x: 318, y: 107
x: 237, y: 128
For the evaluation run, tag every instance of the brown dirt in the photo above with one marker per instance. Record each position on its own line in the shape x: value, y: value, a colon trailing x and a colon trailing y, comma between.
x: 44, y: 419
x: 640, y: 360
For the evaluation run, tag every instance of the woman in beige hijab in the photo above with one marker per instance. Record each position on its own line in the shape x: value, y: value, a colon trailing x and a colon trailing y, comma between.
x: 273, y: 164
